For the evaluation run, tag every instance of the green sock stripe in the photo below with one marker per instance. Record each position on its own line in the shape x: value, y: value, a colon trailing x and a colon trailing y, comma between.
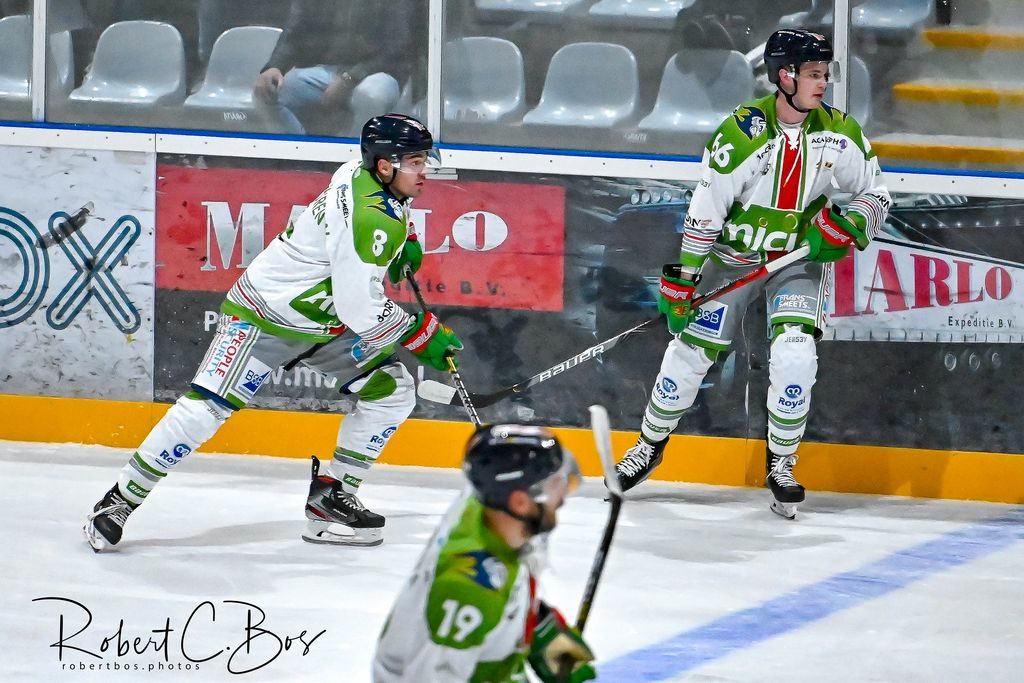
x: 785, y: 421
x: 351, y: 481
x: 669, y: 414
x: 360, y: 459
x: 145, y: 466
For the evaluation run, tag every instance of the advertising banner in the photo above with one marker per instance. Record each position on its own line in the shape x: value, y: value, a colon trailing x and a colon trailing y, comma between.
x: 76, y: 313
x: 531, y: 270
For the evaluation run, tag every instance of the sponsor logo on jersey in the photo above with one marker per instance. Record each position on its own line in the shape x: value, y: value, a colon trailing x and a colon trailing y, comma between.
x: 483, y: 568
x: 751, y: 120
x: 253, y: 375
x: 826, y: 140
x: 710, y: 318
x: 761, y: 239
x: 389, y: 206
x: 800, y: 302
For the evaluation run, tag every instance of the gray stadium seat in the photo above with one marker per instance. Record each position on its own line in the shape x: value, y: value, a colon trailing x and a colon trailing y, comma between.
x: 135, y: 63
x: 539, y: 6
x: 640, y: 13
x: 61, y: 69
x: 699, y: 89
x: 15, y: 58
x: 235, y: 61
x: 483, y: 80
x: 588, y: 85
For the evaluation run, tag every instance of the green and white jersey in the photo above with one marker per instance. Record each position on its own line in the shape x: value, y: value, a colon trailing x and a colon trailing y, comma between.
x: 464, y: 613
x: 762, y: 181
x: 326, y: 271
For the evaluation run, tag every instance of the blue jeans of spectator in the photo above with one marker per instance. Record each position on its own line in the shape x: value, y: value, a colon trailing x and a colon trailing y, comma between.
x: 298, y: 100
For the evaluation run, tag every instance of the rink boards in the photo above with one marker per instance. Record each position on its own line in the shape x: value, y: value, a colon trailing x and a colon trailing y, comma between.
x: 992, y: 477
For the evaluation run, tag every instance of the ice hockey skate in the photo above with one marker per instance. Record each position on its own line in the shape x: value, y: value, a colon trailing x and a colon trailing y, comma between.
x: 639, y: 462
x: 337, y: 517
x: 103, y: 527
x: 786, y: 491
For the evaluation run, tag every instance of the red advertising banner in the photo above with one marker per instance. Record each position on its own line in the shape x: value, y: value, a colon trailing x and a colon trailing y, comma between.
x: 495, y: 245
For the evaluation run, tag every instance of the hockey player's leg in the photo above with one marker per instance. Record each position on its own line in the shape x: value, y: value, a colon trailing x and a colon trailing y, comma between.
x: 335, y: 513
x: 683, y: 368
x: 792, y: 370
x: 189, y: 423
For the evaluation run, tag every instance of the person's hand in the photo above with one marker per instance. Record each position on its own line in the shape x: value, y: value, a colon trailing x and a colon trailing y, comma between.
x: 410, y: 255
x: 831, y: 234
x: 431, y: 342
x: 338, y: 91
x: 267, y: 84
x: 558, y: 647
x: 675, y: 297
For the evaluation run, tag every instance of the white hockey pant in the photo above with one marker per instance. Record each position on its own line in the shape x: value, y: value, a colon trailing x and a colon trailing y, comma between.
x: 792, y: 369
x: 187, y: 425
x: 683, y: 368
x: 386, y: 398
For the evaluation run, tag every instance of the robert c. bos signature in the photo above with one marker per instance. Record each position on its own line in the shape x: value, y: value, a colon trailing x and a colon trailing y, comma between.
x: 258, y: 646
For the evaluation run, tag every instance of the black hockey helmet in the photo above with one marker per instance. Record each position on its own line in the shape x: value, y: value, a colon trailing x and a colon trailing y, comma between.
x: 503, y: 458
x: 391, y: 136
x: 789, y: 48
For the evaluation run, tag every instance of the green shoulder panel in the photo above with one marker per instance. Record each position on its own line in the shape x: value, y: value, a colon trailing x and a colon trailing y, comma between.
x: 828, y: 118
x: 379, y: 221
x: 467, y: 599
x: 746, y: 130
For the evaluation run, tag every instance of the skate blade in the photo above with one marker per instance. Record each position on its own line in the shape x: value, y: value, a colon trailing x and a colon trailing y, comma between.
x: 95, y: 538
x: 787, y: 510
x: 326, y: 533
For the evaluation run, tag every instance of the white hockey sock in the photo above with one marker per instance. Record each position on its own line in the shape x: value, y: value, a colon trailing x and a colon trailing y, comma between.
x: 792, y: 369
x: 188, y: 424
x: 682, y: 370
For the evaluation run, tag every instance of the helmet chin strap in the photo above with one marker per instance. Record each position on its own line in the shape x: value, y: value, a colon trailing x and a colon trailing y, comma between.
x: 789, y: 98
x: 535, y: 524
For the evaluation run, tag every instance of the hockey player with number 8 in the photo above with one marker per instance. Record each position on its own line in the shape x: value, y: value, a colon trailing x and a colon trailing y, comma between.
x: 319, y: 281
x: 769, y: 172
x: 470, y: 611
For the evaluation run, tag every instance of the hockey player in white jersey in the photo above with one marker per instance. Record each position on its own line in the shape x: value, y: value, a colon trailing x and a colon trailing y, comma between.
x: 769, y: 171
x: 470, y: 611
x: 319, y: 281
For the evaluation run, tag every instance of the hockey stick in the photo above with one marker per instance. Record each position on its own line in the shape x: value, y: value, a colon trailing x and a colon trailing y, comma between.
x: 603, y: 439
x: 438, y: 392
x: 460, y: 386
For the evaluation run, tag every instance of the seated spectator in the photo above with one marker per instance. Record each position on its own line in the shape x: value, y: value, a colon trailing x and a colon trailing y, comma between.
x: 337, y: 61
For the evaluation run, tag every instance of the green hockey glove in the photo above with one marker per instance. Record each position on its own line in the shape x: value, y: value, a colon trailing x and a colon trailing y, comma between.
x: 431, y: 342
x: 556, y: 644
x: 675, y: 297
x: 411, y: 254
x: 831, y: 234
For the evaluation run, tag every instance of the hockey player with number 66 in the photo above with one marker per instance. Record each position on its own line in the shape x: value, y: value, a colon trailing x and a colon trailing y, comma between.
x: 769, y: 173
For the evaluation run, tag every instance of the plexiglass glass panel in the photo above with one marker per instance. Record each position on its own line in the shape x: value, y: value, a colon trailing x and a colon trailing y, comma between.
x: 16, y: 60
x: 304, y: 67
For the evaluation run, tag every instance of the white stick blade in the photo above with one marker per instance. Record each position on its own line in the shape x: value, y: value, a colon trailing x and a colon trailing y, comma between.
x: 602, y: 429
x: 432, y: 390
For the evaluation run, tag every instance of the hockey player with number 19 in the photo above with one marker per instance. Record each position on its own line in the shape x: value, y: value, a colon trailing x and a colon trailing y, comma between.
x: 769, y: 172
x: 470, y: 611
x: 321, y: 280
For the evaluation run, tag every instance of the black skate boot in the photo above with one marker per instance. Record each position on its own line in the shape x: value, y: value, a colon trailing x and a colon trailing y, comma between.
x: 786, y: 491
x: 336, y: 517
x: 639, y: 462
x: 103, y: 527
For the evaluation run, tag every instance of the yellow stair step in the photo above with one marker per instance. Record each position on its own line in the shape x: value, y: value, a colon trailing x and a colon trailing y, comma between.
x: 973, y: 39
x: 960, y: 92
x: 950, y: 149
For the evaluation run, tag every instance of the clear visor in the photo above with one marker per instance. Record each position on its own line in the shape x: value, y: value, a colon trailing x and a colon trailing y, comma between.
x: 560, y: 484
x: 428, y: 161
x: 829, y: 72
